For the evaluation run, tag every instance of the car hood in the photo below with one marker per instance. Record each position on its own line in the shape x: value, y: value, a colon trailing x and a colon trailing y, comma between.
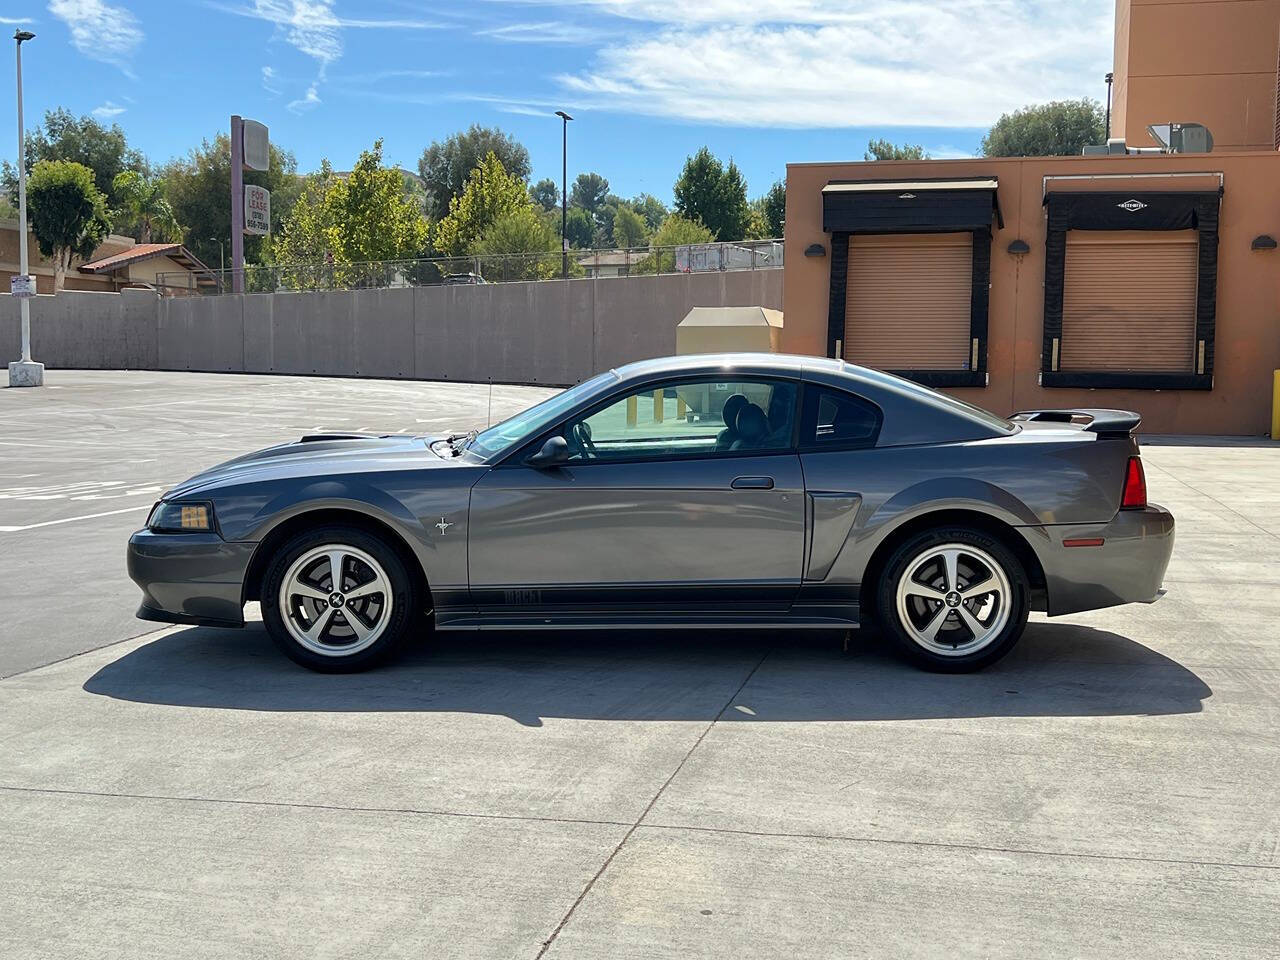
x: 321, y: 455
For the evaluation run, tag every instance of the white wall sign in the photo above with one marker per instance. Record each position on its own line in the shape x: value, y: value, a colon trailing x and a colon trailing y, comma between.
x: 257, y: 153
x: 22, y: 287
x: 257, y: 210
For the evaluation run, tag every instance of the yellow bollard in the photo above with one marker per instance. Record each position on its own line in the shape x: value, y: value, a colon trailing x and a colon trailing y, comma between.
x: 682, y: 410
x: 657, y: 406
x: 1275, y: 406
x: 633, y: 411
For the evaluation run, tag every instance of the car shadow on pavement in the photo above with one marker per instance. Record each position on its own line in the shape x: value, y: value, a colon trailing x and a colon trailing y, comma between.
x: 1057, y: 670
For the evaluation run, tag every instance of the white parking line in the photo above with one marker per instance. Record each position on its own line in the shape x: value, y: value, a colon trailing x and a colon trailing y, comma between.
x: 50, y: 523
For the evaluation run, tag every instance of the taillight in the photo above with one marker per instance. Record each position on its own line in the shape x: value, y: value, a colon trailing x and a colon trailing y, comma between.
x: 1135, y: 486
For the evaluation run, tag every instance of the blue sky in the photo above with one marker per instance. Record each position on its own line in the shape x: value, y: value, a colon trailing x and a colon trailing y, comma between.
x: 649, y: 81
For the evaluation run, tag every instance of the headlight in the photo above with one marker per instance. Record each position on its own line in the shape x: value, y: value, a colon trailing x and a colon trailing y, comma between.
x: 180, y: 517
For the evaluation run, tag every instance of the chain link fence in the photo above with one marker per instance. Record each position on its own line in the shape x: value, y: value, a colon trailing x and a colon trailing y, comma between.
x: 501, y: 268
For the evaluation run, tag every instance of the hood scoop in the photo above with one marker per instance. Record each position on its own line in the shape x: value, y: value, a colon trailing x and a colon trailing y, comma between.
x: 319, y: 437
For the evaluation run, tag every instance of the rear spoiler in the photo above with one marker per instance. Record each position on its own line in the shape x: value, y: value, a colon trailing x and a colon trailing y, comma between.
x: 1105, y: 423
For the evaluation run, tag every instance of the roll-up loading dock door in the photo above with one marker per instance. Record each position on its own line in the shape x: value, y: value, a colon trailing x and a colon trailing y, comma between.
x: 1129, y: 301
x: 908, y: 301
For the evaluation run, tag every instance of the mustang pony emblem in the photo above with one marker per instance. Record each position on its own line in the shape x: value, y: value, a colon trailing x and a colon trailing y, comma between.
x: 443, y: 525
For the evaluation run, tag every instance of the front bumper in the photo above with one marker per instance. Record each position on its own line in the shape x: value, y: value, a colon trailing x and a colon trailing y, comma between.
x: 1128, y: 567
x: 193, y: 578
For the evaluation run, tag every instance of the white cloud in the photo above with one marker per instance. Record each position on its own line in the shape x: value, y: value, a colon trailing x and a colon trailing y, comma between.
x: 378, y: 76
x: 15, y: 21
x: 269, y: 81
x: 843, y: 63
x: 100, y: 31
x: 308, y: 100
x: 549, y: 32
x: 108, y: 110
x: 313, y: 28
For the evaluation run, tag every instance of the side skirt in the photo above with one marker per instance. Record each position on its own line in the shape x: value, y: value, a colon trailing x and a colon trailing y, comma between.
x: 799, y: 618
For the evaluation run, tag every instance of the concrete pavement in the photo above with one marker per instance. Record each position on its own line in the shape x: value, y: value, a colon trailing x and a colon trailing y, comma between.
x: 1108, y: 790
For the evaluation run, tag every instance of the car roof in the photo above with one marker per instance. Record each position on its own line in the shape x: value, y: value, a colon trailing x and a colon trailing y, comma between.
x: 783, y: 363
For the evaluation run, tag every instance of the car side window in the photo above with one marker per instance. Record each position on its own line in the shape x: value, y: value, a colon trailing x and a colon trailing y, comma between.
x: 834, y: 419
x: 697, y: 418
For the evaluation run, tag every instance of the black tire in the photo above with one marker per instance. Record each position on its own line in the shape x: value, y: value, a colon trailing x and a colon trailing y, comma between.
x: 402, y: 619
x: 915, y: 550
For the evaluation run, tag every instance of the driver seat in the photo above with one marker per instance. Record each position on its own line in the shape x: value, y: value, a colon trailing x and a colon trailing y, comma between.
x: 729, y: 413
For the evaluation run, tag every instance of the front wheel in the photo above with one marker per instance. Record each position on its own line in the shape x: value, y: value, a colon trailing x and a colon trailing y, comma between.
x: 954, y: 599
x: 337, y: 600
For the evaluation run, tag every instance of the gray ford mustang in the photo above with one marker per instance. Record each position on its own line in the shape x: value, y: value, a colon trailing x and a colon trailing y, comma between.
x: 709, y: 491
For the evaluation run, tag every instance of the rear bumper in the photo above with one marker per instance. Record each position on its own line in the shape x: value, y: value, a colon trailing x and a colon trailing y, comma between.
x: 193, y: 578
x: 1128, y: 567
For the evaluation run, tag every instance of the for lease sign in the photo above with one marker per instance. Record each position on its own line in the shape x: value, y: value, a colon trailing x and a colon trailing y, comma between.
x: 257, y: 210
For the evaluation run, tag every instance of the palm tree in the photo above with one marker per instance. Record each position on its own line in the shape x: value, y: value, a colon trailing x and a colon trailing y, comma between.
x: 143, y: 202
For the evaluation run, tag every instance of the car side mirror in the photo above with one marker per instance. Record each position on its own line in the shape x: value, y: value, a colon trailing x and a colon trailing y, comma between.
x: 553, y: 453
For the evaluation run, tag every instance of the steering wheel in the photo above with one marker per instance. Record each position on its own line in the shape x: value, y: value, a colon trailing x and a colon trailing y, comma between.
x: 582, y: 437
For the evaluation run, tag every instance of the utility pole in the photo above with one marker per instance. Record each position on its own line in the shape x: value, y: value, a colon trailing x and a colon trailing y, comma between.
x: 564, y: 193
x: 25, y: 372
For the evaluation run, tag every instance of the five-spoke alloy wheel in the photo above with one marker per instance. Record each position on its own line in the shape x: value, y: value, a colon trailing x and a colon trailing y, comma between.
x: 954, y: 599
x: 337, y: 599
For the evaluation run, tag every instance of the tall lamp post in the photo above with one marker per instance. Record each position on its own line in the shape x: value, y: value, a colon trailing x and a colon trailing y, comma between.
x: 564, y: 192
x: 25, y: 372
x: 1110, y: 77
x: 222, y: 262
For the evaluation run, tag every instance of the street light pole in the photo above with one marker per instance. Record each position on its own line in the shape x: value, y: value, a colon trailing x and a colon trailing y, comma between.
x: 222, y: 262
x: 1109, y: 78
x: 26, y: 372
x: 564, y: 193
x: 222, y: 254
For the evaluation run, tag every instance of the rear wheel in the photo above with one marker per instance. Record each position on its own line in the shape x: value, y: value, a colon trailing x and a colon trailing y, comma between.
x: 954, y: 599
x: 337, y: 600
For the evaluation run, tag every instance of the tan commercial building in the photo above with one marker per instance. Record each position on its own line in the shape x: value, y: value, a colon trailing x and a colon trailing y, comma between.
x: 1148, y: 282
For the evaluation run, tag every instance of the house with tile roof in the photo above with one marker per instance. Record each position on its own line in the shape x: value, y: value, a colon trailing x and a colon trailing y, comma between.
x: 117, y: 263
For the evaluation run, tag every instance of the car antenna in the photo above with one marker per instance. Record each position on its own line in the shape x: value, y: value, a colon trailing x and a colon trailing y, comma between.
x: 488, y: 417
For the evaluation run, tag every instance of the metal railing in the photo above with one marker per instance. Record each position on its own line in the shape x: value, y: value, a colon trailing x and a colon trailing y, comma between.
x: 495, y: 268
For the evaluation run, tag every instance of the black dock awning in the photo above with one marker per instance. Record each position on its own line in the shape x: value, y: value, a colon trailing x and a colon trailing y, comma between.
x: 909, y: 206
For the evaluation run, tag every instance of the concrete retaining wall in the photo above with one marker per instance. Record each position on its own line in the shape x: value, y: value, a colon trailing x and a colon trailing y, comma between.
x: 555, y: 332
x: 95, y: 331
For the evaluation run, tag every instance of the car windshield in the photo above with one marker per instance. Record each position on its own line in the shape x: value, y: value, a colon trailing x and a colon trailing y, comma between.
x: 499, y: 437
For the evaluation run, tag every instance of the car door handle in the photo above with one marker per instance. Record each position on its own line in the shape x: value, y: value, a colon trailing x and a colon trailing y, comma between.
x: 752, y: 483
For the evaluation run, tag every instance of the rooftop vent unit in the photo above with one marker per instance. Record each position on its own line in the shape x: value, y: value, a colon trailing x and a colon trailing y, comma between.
x: 1172, y: 137
x: 1182, y: 137
x: 1116, y: 147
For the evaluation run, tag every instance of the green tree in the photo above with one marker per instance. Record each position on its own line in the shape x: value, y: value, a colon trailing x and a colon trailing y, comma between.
x: 714, y: 194
x: 590, y: 191
x: 198, y: 187
x: 676, y: 231
x: 773, y: 207
x: 367, y: 215
x: 143, y: 206
x: 446, y: 166
x: 757, y: 225
x: 1058, y: 129
x: 580, y: 228
x: 519, y: 245
x: 68, y: 213
x: 83, y: 140
x: 545, y: 194
x: 629, y: 228
x: 651, y: 208
x: 882, y: 149
x: 490, y: 194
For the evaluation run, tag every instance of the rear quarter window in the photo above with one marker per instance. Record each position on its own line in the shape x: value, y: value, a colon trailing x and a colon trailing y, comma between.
x: 836, y: 420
